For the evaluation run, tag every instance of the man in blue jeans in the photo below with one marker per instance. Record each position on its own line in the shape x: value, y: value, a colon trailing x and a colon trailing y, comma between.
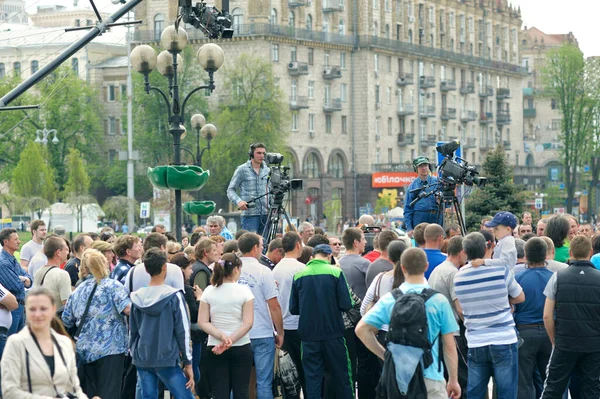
x: 13, y: 277
x: 251, y: 179
x: 483, y: 295
x: 267, y: 312
x: 160, y: 332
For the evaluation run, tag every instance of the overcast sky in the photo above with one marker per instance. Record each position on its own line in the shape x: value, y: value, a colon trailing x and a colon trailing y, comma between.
x: 558, y: 16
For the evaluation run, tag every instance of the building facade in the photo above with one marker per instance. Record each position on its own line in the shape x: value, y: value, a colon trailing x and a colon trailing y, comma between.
x: 373, y: 84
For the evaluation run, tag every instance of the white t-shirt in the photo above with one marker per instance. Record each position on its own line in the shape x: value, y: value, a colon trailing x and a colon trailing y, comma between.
x: 284, y: 276
x: 261, y: 282
x: 141, y: 278
x: 38, y: 261
x: 5, y: 315
x: 226, y: 302
x: 29, y: 249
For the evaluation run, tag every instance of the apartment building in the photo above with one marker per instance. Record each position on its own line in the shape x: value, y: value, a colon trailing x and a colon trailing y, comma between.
x: 373, y: 84
x: 541, y: 114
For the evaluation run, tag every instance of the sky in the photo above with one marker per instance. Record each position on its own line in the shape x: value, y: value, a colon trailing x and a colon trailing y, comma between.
x: 559, y: 16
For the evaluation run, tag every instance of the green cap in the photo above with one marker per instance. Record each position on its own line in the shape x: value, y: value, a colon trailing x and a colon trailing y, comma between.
x: 420, y: 161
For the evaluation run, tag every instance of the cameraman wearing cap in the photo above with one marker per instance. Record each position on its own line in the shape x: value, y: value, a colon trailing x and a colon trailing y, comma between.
x: 425, y: 209
x: 251, y: 179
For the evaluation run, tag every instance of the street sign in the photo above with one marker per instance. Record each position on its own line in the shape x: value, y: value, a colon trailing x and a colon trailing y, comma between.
x: 144, y: 210
x: 559, y: 211
x: 539, y: 203
x: 561, y: 186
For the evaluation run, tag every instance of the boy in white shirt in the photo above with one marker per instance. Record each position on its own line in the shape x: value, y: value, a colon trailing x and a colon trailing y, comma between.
x: 505, y: 253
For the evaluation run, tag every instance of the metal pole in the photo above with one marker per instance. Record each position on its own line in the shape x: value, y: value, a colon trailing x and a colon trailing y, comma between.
x: 176, y: 132
x: 130, y: 173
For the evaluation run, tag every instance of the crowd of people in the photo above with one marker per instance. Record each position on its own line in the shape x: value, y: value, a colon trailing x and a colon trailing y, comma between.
x: 118, y: 316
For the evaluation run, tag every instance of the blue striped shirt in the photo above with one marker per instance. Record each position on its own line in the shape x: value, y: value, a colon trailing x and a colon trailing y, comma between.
x: 483, y: 295
x: 250, y: 185
x: 10, y: 270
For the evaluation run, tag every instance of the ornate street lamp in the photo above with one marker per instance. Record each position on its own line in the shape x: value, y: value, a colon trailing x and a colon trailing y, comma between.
x: 144, y: 60
x: 45, y: 133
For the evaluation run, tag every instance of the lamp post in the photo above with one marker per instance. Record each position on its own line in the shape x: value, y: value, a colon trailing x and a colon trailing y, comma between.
x: 144, y: 59
x: 45, y: 133
x: 208, y: 131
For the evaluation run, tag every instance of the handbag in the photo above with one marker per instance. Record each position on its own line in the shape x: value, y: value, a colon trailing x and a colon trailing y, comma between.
x: 75, y: 334
x: 286, y: 381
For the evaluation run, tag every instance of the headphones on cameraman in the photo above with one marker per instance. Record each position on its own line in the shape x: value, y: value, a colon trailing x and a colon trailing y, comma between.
x: 419, y: 161
x: 253, y: 147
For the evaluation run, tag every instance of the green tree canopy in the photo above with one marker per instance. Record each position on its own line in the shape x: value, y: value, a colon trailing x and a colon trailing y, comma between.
x: 78, y: 182
x: 115, y: 208
x: 499, y: 194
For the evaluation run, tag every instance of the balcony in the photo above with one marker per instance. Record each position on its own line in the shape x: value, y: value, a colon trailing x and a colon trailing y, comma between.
x: 427, y: 82
x: 486, y: 91
x: 502, y: 94
x: 506, y: 144
x: 427, y: 111
x: 528, y: 92
x: 486, y: 117
x: 332, y: 6
x: 467, y: 88
x: 406, y: 109
x: 468, y: 116
x: 448, y: 85
x: 297, y: 102
x: 486, y: 144
x: 448, y: 113
x: 405, y: 79
x: 335, y: 104
x: 297, y: 3
x: 529, y: 113
x: 296, y: 68
x: 503, y: 118
x: 406, y: 138
x: 470, y: 142
x: 430, y: 139
x: 332, y: 72
x: 391, y: 167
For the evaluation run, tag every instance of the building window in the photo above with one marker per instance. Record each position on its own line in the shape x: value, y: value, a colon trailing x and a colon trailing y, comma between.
x: 309, y: 22
x: 390, y: 155
x: 294, y: 89
x: 275, y: 51
x: 112, y: 94
x: 75, y: 65
x: 390, y: 126
x: 77, y: 22
x: 294, y: 121
x: 292, y: 20
x: 326, y: 59
x: 336, y: 166
x: 159, y: 25
x: 293, y: 54
x: 376, y: 62
x: 344, y: 124
x: 2, y: 71
x: 112, y: 125
x: 327, y: 123
x: 311, y: 166
x: 34, y: 66
x: 311, y: 123
x: 112, y: 156
x: 553, y: 103
x: 17, y: 69
x: 343, y: 92
x: 273, y: 16
x: 311, y: 56
x: 325, y: 24
x: 377, y: 127
x: 311, y: 89
x: 389, y: 95
x: 341, y: 27
x: 556, y: 124
x: 343, y: 60
x: 377, y: 94
x: 238, y: 19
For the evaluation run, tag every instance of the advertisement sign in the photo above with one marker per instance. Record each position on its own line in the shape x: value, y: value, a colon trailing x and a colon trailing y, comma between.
x: 392, y: 179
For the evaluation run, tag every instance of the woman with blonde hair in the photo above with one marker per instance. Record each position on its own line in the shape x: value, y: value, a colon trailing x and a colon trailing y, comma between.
x: 173, y: 248
x: 107, y: 250
x: 37, y: 361
x: 97, y: 307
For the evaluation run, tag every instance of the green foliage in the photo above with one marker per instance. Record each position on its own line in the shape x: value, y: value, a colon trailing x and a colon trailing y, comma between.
x: 252, y: 110
x: 115, y: 208
x: 33, y: 176
x: 499, y: 194
x: 78, y: 182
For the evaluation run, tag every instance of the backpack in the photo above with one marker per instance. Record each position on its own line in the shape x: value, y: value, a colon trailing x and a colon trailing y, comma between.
x: 408, y: 326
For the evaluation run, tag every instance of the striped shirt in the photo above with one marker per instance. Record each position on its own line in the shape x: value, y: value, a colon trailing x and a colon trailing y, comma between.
x: 483, y: 295
x: 250, y: 185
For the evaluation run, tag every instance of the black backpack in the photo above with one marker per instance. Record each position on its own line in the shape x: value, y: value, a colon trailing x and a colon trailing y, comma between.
x: 409, y: 327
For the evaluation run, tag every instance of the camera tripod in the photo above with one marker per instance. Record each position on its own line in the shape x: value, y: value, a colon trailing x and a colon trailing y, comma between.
x: 273, y: 218
x: 446, y: 197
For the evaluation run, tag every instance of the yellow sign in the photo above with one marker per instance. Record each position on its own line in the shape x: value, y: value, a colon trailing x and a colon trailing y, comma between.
x: 391, y: 195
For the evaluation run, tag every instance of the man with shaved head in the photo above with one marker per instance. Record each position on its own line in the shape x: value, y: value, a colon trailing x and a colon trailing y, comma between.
x: 434, y: 236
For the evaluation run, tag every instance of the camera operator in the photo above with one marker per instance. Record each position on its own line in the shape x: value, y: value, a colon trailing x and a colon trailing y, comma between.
x: 425, y: 209
x: 251, y: 179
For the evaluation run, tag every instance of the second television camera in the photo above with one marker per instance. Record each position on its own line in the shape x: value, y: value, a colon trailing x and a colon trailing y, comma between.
x: 279, y: 176
x: 214, y: 23
x: 454, y: 172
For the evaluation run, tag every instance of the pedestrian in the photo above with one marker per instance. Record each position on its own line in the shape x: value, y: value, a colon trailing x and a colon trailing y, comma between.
x: 173, y: 248
x: 382, y: 263
x: 206, y: 254
x: 557, y: 229
x: 485, y: 295
x: 273, y: 255
x: 106, y: 248
x: 51, y: 276
x: 227, y: 315
x: 441, y: 327
x: 267, y: 312
x: 216, y: 226
x: 80, y: 243
x: 505, y: 252
x: 102, y: 340
x: 38, y: 362
x: 35, y: 245
x: 352, y: 264
x: 12, y: 276
x: 571, y: 314
x: 319, y: 295
x: 306, y: 231
x: 129, y: 249
x: 434, y: 236
x: 425, y: 209
x: 160, y: 333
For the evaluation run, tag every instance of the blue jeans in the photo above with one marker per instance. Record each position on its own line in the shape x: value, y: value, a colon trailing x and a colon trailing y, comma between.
x: 254, y: 223
x: 196, y: 356
x: 172, y: 377
x: 18, y: 320
x: 263, y: 351
x: 498, y: 361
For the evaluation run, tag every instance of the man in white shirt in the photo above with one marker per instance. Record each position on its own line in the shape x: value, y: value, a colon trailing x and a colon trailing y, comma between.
x: 35, y: 245
x: 284, y: 276
x: 8, y: 303
x: 51, y: 276
x: 267, y: 312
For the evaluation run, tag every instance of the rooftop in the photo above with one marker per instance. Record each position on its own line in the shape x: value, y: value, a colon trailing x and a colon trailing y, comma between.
x: 34, y: 37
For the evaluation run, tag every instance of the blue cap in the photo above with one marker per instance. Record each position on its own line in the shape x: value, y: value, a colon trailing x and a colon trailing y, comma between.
x: 322, y: 249
x: 504, y: 219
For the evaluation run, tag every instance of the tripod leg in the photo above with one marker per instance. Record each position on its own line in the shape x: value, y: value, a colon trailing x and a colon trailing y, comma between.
x: 461, y: 221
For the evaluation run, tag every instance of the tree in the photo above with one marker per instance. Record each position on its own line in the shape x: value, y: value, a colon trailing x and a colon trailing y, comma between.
x: 33, y: 177
x: 593, y: 154
x: 115, y: 208
x: 253, y: 110
x: 78, y: 185
x: 564, y: 79
x: 499, y: 194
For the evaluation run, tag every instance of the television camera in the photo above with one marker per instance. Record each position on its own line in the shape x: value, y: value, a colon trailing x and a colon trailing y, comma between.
x: 213, y: 23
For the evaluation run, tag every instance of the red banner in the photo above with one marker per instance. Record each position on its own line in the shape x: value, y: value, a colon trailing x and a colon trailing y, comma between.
x: 392, y: 179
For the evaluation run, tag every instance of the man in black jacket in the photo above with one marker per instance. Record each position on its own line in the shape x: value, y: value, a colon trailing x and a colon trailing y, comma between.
x: 574, y: 293
x: 206, y: 253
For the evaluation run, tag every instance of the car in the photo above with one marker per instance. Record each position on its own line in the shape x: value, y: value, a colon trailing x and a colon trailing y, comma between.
x: 146, y: 230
